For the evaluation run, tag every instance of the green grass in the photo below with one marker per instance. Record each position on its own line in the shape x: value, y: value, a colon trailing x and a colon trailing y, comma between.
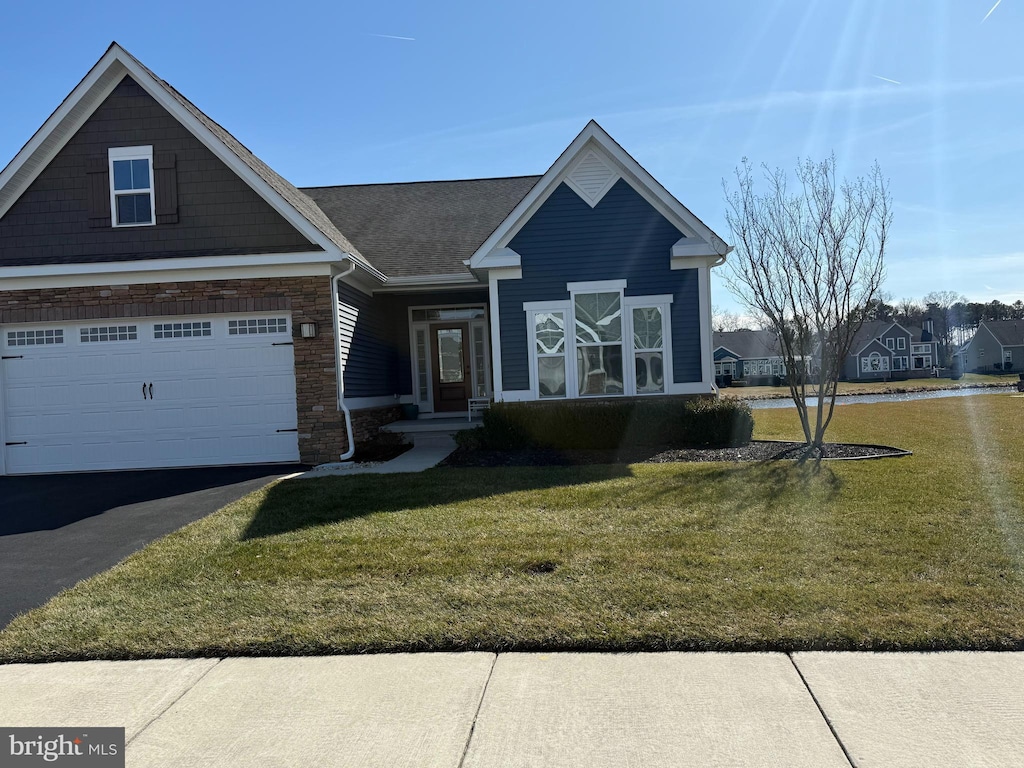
x: 923, y: 552
x: 882, y: 387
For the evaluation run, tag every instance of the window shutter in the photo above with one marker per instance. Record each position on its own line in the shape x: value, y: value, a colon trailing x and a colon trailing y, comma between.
x: 98, y: 191
x: 165, y: 176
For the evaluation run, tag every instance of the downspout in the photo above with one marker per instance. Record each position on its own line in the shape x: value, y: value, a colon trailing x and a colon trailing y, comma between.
x: 337, y: 356
x: 718, y: 261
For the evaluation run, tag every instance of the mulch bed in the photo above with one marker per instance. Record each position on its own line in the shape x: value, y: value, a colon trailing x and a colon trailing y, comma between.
x: 756, y: 450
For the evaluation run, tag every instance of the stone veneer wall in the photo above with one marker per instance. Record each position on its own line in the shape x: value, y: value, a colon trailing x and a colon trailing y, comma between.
x: 321, y: 424
x: 366, y: 422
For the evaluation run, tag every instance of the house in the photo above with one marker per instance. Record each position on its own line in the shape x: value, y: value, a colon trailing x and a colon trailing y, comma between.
x: 167, y: 299
x: 997, y: 345
x: 745, y: 354
x: 886, y: 349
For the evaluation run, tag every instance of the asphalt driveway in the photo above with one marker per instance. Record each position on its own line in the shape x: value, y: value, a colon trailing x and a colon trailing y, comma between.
x: 56, y: 530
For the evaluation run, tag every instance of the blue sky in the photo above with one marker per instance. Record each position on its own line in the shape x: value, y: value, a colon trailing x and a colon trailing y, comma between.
x: 346, y: 92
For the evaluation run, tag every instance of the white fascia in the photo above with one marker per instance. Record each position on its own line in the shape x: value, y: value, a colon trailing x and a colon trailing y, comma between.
x: 168, y: 270
x: 462, y: 280
x: 494, y: 317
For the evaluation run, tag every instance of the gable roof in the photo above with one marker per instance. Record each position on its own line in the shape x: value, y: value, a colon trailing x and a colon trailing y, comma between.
x: 1009, y: 333
x: 749, y: 345
x: 425, y: 228
x: 590, y: 165
x: 115, y: 64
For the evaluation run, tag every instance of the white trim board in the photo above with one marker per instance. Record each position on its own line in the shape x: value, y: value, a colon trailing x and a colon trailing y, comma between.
x: 167, y: 270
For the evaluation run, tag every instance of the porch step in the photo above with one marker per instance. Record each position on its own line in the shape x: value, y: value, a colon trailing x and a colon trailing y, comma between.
x: 430, y: 432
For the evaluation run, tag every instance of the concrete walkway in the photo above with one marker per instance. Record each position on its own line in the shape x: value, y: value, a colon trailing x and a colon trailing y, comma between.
x: 479, y: 710
x: 424, y: 454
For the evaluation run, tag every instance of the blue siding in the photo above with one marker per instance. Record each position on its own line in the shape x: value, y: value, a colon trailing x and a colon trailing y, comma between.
x: 368, y: 337
x: 375, y: 333
x: 623, y: 237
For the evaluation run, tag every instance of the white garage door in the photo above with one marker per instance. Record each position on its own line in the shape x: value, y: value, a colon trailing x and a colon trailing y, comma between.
x: 148, y: 392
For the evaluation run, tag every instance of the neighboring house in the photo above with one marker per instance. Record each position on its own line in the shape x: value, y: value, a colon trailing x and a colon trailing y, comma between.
x: 743, y: 354
x: 166, y: 299
x: 997, y: 345
x: 886, y: 349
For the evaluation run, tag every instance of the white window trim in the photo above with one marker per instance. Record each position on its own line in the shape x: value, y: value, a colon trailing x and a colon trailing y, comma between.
x: 627, y: 305
x: 664, y: 303
x: 132, y: 153
x: 532, y: 309
x: 890, y: 344
x: 901, y: 343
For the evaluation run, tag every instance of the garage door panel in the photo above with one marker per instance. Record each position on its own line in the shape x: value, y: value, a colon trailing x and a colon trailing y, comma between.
x: 81, y: 405
x: 24, y: 458
x: 33, y: 397
x: 45, y: 366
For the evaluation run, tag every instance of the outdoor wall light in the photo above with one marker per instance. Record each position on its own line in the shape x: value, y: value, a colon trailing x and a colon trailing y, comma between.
x: 307, y: 330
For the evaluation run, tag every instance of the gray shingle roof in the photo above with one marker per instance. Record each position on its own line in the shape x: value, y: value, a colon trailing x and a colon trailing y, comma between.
x: 749, y: 345
x: 1009, y: 333
x: 421, y: 228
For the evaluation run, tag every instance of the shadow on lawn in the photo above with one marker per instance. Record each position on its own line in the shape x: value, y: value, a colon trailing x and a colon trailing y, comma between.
x: 298, y: 504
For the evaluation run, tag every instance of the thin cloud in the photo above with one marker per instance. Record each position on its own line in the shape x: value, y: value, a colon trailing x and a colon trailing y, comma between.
x: 990, y: 10
x: 888, y: 80
x: 390, y: 37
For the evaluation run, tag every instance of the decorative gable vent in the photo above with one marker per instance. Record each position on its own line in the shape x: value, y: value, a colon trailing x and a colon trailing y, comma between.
x: 592, y: 177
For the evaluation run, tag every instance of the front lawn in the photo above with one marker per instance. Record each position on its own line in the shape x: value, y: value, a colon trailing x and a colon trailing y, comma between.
x: 922, y: 552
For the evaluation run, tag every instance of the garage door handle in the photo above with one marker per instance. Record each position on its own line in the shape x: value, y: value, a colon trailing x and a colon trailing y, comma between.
x: 143, y: 390
x: 151, y: 390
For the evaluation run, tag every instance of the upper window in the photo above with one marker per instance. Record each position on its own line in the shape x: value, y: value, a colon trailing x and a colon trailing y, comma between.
x: 901, y: 343
x: 131, y: 186
x: 890, y: 344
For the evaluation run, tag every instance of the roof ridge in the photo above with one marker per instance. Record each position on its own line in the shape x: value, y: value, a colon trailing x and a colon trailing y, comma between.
x: 422, y: 181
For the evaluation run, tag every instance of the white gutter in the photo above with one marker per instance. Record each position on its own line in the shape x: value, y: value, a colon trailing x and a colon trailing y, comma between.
x: 337, y: 357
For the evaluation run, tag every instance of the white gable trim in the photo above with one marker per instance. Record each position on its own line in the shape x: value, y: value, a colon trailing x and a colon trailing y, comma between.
x: 87, y: 96
x: 593, y: 139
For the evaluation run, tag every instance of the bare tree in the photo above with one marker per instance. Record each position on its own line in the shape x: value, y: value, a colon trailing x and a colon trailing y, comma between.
x: 807, y: 262
x: 723, y: 320
x: 939, y: 308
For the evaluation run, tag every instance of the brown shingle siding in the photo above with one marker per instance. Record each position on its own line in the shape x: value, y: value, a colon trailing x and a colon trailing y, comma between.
x: 49, y: 223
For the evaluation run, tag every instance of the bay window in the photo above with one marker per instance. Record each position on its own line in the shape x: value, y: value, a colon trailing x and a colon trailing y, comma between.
x: 618, y: 344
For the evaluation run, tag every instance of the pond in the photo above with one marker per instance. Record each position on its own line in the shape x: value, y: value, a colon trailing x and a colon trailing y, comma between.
x: 900, y: 397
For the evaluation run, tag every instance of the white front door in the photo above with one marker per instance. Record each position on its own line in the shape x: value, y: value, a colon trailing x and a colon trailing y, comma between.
x: 148, y: 392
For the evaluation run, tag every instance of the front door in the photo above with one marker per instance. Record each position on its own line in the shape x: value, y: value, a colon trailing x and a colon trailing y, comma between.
x: 452, y: 373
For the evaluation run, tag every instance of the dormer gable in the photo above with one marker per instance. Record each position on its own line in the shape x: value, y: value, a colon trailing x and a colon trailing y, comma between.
x: 591, y: 166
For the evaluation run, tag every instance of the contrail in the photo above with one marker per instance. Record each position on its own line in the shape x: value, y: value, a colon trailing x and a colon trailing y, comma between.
x: 888, y: 80
x: 991, y: 9
x: 397, y: 37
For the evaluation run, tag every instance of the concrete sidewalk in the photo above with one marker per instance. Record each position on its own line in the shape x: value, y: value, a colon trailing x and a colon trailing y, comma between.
x: 479, y: 710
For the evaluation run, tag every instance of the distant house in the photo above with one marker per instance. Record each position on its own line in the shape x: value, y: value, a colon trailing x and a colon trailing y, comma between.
x: 997, y: 345
x: 886, y: 349
x: 744, y: 354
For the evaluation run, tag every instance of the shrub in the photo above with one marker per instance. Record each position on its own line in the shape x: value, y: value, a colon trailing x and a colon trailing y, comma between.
x: 606, y: 424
